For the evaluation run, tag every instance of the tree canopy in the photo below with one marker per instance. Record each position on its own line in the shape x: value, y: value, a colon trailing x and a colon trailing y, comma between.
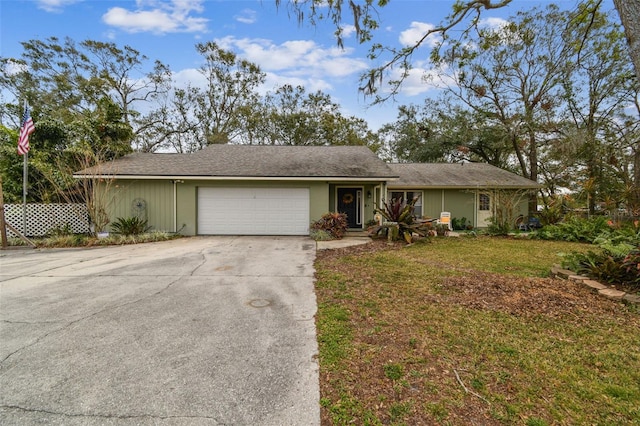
x: 552, y: 95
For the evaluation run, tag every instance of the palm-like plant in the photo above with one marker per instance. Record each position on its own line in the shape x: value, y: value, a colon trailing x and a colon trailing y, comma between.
x: 400, y: 214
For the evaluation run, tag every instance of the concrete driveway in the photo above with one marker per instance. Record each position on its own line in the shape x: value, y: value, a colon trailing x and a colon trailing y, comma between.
x: 195, y: 331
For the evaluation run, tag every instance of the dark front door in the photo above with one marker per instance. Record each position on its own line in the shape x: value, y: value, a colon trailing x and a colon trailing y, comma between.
x: 349, y: 203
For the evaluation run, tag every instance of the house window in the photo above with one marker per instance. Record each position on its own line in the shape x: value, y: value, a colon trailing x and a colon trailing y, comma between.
x: 408, y: 196
x: 484, y: 202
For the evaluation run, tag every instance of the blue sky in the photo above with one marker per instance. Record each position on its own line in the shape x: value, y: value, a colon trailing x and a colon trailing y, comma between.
x: 168, y: 30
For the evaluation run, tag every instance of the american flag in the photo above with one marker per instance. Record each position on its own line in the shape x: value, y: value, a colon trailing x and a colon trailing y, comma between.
x: 26, y: 129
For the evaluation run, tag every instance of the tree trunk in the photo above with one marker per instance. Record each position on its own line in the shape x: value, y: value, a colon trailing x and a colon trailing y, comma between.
x: 629, y: 11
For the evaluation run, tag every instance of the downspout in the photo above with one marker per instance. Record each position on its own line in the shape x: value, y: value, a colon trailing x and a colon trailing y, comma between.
x: 475, y: 207
x: 175, y: 206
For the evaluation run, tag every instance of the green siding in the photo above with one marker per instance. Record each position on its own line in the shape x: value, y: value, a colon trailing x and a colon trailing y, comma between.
x: 432, y: 202
x: 157, y: 195
x: 460, y: 203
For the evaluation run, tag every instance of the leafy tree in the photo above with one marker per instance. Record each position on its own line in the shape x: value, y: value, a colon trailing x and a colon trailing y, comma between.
x: 464, y: 17
x: 290, y: 116
x: 69, y: 79
x: 222, y: 107
x: 511, y: 78
x: 630, y: 16
x: 51, y: 158
x: 599, y: 78
x: 445, y: 131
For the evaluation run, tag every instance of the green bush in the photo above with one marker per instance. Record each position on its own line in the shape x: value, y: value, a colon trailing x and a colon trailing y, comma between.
x: 459, y: 224
x: 320, y: 235
x: 618, y: 258
x: 60, y: 231
x: 575, y: 229
x: 497, y: 227
x: 602, y: 266
x: 130, y: 226
x: 631, y: 265
x: 335, y: 224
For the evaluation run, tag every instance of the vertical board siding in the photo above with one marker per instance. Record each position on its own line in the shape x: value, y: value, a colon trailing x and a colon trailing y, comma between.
x: 157, y: 197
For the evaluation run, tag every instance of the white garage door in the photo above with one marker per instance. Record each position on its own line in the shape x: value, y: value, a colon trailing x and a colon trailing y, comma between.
x: 253, y: 211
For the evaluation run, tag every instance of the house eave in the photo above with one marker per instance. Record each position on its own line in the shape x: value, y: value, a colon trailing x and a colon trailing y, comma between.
x: 461, y: 187
x: 242, y: 178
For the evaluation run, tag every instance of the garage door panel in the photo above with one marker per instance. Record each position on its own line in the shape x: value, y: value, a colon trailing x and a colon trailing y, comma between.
x: 253, y: 211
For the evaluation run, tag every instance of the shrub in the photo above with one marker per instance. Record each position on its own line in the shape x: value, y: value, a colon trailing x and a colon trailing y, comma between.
x: 498, y: 227
x: 130, y: 226
x: 401, y: 213
x: 60, y: 231
x: 602, y: 266
x: 320, y: 235
x: 631, y: 265
x: 575, y: 229
x: 333, y: 223
x: 459, y: 224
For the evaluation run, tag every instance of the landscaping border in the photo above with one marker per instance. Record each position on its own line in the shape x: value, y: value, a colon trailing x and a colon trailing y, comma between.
x: 602, y: 289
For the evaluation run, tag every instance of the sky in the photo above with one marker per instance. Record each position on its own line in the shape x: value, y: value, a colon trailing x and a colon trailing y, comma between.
x: 289, y: 53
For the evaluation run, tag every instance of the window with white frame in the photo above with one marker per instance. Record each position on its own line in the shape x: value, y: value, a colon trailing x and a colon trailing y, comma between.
x: 408, y: 196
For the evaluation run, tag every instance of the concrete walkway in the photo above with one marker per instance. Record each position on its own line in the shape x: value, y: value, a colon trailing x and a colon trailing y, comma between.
x: 195, y: 331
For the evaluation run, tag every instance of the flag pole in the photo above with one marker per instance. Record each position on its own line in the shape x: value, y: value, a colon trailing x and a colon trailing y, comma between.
x: 26, y: 128
x: 25, y: 183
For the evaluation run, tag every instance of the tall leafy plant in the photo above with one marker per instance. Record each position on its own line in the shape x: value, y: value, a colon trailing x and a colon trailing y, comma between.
x: 398, y: 213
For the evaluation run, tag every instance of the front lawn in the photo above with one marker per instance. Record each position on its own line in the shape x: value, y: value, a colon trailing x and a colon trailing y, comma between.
x: 470, y: 331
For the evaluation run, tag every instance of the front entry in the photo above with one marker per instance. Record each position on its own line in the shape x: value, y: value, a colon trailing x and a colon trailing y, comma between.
x: 349, y: 201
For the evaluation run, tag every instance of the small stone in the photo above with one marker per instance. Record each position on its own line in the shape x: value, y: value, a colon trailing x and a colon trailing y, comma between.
x: 562, y: 273
x: 612, y: 293
x: 633, y: 298
x: 595, y: 285
x: 578, y: 278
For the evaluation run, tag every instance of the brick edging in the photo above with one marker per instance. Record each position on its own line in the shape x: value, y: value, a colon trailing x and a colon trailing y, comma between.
x: 604, y: 290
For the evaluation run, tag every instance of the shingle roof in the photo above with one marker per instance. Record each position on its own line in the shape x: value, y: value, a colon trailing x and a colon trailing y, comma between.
x: 260, y: 161
x: 459, y: 175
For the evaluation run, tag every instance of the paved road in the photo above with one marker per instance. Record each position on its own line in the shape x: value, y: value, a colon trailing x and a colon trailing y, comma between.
x: 195, y: 331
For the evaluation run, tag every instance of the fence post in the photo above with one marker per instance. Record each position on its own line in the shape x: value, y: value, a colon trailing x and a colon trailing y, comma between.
x: 3, y: 224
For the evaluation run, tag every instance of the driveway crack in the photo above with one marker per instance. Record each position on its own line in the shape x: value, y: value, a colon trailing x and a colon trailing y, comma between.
x: 104, y: 416
x: 202, y: 262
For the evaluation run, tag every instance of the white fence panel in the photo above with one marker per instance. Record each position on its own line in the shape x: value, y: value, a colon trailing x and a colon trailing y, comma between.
x: 42, y: 218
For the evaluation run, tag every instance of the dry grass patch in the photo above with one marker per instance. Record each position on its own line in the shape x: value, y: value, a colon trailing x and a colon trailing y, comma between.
x: 470, y: 331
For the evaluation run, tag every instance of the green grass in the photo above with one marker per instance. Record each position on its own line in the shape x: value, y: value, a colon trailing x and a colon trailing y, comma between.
x: 394, y: 333
x: 82, y: 240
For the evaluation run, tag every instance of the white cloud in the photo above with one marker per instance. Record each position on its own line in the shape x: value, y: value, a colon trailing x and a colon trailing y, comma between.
x: 247, y: 16
x: 421, y: 79
x: 158, y: 17
x: 347, y: 30
x: 189, y: 77
x: 416, y: 31
x: 296, y: 57
x: 493, y: 23
x: 297, y: 63
x: 54, y: 5
x: 12, y: 67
